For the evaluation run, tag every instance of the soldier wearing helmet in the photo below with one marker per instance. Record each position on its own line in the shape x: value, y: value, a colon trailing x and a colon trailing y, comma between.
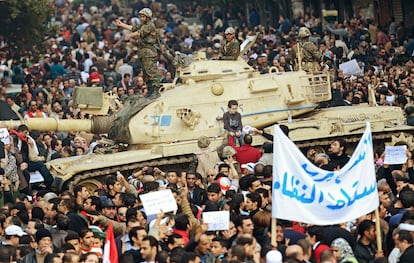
x: 309, y: 56
x: 230, y: 49
x: 146, y: 41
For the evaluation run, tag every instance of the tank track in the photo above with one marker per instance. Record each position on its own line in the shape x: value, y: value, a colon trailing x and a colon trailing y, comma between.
x: 163, y: 164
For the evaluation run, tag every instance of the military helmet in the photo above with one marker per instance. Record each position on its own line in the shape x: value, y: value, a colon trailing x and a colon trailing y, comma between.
x: 304, y: 32
x: 230, y: 30
x: 146, y: 12
x: 203, y: 142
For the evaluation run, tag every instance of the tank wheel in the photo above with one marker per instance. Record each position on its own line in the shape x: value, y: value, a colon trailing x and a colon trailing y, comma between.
x: 91, y: 184
x: 273, y: 69
x: 402, y: 138
x: 94, y: 177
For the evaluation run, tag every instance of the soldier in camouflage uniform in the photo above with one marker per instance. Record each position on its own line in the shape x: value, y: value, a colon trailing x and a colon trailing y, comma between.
x: 231, y: 47
x: 309, y: 56
x: 146, y: 36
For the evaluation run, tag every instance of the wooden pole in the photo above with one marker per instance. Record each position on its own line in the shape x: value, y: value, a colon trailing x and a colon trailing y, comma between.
x: 378, y: 230
x: 299, y: 55
x: 273, y: 241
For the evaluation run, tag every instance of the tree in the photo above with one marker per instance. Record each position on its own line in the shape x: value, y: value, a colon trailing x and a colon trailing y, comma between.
x: 24, y: 22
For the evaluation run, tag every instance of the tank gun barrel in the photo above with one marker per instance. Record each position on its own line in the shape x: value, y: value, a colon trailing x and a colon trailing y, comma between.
x: 50, y: 124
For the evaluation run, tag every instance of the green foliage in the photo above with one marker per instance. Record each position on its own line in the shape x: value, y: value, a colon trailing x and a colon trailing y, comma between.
x: 24, y: 22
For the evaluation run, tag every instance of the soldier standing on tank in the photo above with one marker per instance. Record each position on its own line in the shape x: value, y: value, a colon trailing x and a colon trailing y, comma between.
x: 231, y: 47
x: 307, y: 53
x: 146, y: 36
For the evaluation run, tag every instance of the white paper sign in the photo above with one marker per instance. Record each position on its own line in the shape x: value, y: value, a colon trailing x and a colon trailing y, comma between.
x: 248, y: 129
x: 4, y: 136
x: 217, y: 220
x: 350, y: 68
x: 36, y: 177
x: 155, y: 202
x: 395, y: 154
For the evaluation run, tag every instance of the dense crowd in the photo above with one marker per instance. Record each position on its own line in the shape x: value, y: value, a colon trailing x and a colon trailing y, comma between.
x: 39, y: 225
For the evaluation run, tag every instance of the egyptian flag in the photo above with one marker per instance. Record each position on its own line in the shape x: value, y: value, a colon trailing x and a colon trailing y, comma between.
x: 110, y: 251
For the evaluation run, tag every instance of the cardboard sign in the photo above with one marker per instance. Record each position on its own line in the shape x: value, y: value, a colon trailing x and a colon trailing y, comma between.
x: 217, y: 220
x: 155, y: 202
x: 395, y: 154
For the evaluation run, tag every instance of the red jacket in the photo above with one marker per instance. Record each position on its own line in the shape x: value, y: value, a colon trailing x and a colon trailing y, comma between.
x: 184, y: 234
x: 318, y: 250
x: 246, y: 153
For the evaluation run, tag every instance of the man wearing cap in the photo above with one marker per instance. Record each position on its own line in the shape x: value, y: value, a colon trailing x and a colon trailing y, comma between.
x: 13, y: 234
x: 306, y: 52
x: 44, y: 247
x: 230, y: 50
x: 147, y: 52
x: 109, y: 209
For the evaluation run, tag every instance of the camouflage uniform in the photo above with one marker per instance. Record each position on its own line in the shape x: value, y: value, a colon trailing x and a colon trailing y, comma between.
x: 230, y: 50
x: 309, y: 53
x: 147, y: 55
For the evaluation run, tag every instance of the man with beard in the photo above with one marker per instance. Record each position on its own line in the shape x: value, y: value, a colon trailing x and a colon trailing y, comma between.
x: 337, y: 153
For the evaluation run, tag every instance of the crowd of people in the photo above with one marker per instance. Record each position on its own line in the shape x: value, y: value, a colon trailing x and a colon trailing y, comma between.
x: 101, y: 46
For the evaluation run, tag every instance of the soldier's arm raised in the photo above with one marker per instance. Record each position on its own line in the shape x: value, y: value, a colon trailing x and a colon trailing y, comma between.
x: 119, y: 23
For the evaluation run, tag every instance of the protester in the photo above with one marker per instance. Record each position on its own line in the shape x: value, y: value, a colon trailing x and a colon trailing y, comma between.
x: 92, y: 50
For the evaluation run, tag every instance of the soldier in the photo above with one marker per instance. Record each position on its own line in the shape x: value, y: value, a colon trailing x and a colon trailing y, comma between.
x: 309, y: 55
x: 147, y: 52
x: 231, y: 47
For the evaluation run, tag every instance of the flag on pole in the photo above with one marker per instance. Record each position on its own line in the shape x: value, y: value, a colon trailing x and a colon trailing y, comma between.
x: 110, y: 251
x: 303, y: 192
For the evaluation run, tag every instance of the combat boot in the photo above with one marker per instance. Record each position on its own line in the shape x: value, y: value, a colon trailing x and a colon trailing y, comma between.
x: 153, y: 91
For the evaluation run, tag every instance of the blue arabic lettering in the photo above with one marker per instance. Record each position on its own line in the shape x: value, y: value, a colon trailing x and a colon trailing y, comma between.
x: 294, y: 193
x: 357, y: 196
x: 361, y: 157
x: 304, y: 166
x: 327, y: 177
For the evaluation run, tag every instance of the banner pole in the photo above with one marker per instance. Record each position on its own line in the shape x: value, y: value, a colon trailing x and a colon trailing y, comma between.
x: 273, y: 240
x: 378, y: 230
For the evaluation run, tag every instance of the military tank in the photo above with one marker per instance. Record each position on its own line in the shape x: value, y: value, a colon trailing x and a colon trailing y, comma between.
x: 164, y: 132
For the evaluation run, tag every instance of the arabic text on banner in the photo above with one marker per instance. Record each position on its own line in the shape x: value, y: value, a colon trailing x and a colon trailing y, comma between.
x: 305, y: 193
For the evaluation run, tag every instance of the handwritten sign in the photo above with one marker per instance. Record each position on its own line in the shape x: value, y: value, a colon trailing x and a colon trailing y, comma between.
x: 395, y: 154
x: 217, y: 220
x: 155, y: 202
x: 303, y: 192
x: 350, y: 68
x: 4, y: 136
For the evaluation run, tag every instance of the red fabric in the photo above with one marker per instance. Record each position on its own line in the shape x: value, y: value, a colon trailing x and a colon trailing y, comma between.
x: 95, y: 77
x: 319, y: 249
x: 110, y: 250
x: 36, y: 114
x: 184, y: 234
x: 247, y: 154
x: 18, y: 134
x: 297, y: 227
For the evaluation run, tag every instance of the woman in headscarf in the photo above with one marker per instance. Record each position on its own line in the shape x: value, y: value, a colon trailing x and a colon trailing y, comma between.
x: 343, y: 251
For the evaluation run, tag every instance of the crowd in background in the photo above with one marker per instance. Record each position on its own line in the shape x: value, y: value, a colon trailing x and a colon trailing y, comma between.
x: 90, y: 50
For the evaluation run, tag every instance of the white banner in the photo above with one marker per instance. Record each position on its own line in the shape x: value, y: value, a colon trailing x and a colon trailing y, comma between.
x: 305, y: 193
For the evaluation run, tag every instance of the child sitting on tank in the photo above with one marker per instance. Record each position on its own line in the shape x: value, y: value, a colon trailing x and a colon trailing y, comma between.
x: 232, y: 121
